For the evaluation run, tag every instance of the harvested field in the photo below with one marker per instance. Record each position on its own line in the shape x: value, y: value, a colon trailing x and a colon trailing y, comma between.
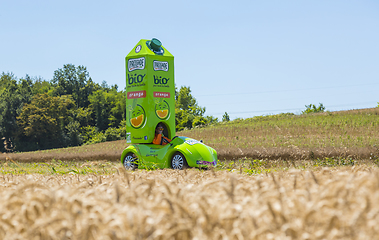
x: 326, y: 203
x: 344, y: 134
x: 341, y: 135
x: 110, y: 151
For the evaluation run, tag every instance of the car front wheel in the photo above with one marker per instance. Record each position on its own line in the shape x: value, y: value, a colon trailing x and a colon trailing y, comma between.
x: 130, y: 161
x: 178, y: 161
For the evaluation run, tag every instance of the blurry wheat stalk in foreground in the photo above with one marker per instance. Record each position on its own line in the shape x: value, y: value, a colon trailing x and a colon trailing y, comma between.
x: 166, y: 204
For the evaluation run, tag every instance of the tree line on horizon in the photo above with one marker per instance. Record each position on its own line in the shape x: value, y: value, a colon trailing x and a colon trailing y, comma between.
x: 71, y: 110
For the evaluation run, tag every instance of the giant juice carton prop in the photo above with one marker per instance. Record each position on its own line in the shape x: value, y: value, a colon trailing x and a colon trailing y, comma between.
x: 150, y: 91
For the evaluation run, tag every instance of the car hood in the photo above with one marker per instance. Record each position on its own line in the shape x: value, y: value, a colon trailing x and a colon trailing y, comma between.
x: 197, y: 151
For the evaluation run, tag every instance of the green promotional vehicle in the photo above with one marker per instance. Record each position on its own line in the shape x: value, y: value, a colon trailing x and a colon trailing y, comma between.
x: 150, y: 101
x: 181, y: 153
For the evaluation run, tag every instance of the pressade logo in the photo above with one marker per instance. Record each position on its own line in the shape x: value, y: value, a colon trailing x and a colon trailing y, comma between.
x: 160, y: 66
x: 136, y: 64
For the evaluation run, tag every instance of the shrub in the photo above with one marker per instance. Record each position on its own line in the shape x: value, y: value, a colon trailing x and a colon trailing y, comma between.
x: 97, y: 138
x: 311, y: 108
x: 113, y: 134
x: 199, y: 121
x: 225, y: 117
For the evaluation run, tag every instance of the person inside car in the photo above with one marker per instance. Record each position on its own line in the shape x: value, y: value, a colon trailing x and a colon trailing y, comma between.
x: 159, y: 139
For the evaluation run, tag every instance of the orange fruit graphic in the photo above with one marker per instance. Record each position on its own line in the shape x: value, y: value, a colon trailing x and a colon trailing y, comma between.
x: 162, y: 110
x: 162, y: 113
x: 137, y: 121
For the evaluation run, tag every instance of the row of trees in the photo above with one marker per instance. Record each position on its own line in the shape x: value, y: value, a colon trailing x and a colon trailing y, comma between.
x: 71, y: 110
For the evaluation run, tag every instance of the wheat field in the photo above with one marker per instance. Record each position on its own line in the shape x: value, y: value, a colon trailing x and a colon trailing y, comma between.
x: 326, y: 203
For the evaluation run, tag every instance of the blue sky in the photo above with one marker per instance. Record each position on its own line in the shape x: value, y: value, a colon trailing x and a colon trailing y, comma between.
x: 246, y: 58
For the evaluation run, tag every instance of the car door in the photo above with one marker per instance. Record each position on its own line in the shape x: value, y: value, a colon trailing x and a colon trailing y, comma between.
x: 148, y: 155
x: 162, y: 157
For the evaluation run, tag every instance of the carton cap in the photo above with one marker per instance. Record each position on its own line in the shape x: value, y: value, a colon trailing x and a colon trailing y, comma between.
x: 155, y: 44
